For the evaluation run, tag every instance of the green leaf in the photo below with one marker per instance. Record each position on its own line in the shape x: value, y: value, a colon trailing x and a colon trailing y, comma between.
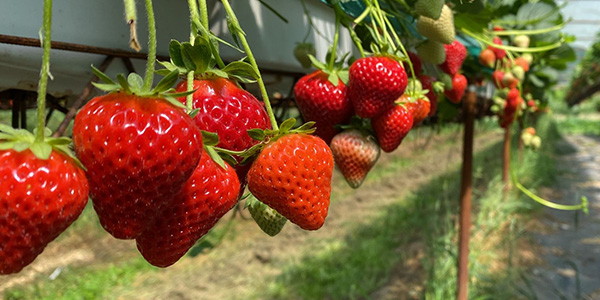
x: 107, y: 87
x: 180, y: 94
x: 102, y: 76
x: 166, y: 83
x: 59, y: 141
x: 215, y: 156
x: 257, y: 134
x: 6, y: 128
x: 188, y: 61
x: 287, y: 125
x: 41, y: 150
x: 333, y: 78
x: 218, y: 73
x: 200, y: 53
x: 228, y: 158
x: 209, y: 138
x: 21, y: 146
x: 194, y: 113
x: 175, y: 53
x: 242, y: 69
x: 123, y: 82
x: 306, y: 126
x: 174, y: 101
x: 7, y: 145
x: 344, y: 76
x: 319, y: 65
x: 532, y: 13
x: 135, y: 81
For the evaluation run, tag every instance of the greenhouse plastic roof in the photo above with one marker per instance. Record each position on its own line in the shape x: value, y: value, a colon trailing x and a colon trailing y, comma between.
x: 585, y: 21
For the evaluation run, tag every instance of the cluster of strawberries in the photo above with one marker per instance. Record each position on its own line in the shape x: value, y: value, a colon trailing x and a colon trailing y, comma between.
x: 377, y: 107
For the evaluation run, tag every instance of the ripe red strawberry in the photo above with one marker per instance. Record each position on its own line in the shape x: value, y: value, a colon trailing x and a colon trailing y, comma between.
x: 293, y: 176
x: 419, y: 108
x: 228, y: 111
x: 321, y: 101
x: 207, y: 195
x: 497, y: 77
x: 138, y: 153
x: 509, y: 80
x: 487, y: 57
x: 459, y: 85
x: 355, y: 153
x: 500, y: 54
x: 375, y: 83
x: 431, y: 95
x: 521, y: 61
x: 416, y: 63
x: 392, y: 126
x: 39, y: 199
x: 455, y: 55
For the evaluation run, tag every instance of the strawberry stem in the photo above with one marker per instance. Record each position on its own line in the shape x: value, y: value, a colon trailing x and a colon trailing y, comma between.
x: 189, y: 99
x: 194, y: 16
x: 336, y: 39
x: 131, y: 19
x: 149, y: 78
x: 242, y: 36
x: 45, y: 70
x: 203, y: 14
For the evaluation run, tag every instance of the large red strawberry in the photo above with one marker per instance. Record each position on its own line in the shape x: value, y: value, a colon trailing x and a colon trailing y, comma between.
x: 417, y: 65
x: 39, y: 199
x: 455, y: 55
x: 228, y: 111
x: 321, y: 101
x: 355, y: 153
x: 375, y: 83
x: 293, y: 176
x: 459, y: 85
x: 431, y: 95
x: 138, y: 152
x: 392, y: 126
x: 208, y: 194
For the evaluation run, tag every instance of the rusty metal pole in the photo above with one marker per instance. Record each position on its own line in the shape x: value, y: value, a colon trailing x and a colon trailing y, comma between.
x: 465, y: 195
x: 506, y: 161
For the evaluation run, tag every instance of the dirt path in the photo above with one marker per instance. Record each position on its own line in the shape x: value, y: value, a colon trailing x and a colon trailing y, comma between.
x: 571, y: 251
x: 231, y: 270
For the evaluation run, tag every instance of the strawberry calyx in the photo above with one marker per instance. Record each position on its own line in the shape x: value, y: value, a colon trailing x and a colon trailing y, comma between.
x: 134, y: 85
x: 415, y: 91
x: 21, y: 140
x: 335, y: 72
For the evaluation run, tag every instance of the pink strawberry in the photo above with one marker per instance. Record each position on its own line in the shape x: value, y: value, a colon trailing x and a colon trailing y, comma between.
x: 392, y: 126
x: 355, y: 153
x: 208, y: 194
x: 455, y: 55
x: 375, y: 83
x: 321, y: 101
x: 459, y: 85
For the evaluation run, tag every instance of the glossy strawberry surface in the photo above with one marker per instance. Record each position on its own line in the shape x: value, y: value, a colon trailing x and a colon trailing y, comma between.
x: 138, y: 153
x: 321, y: 101
x: 375, y: 83
x: 455, y: 56
x: 208, y: 194
x: 459, y: 85
x: 355, y: 153
x: 392, y: 126
x: 293, y: 176
x: 39, y: 199
x: 419, y: 109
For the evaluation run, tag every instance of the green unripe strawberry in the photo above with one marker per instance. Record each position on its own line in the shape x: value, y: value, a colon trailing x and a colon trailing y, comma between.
x: 432, y: 52
x: 528, y: 57
x: 268, y: 219
x: 526, y: 137
x: 440, y: 30
x: 536, y: 142
x: 521, y: 41
x: 519, y: 72
x: 429, y: 8
x: 301, y: 53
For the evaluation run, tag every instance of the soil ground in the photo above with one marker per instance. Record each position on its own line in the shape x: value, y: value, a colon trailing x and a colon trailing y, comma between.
x: 571, y: 248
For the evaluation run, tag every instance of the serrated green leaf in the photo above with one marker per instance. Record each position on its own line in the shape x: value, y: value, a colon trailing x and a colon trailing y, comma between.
x: 21, y: 146
x: 306, y: 126
x: 287, y: 125
x: 166, y: 83
x: 218, y: 72
x: 174, y: 101
x: 215, y: 156
x: 257, y: 134
x: 194, y: 113
x: 102, y: 76
x: 188, y: 61
x: 316, y: 63
x: 228, y: 158
x: 209, y: 138
x: 242, y: 69
x: 135, y: 81
x: 41, y: 150
x: 123, y: 82
x: 233, y: 31
x: 175, y: 53
x: 107, y: 87
x: 200, y: 53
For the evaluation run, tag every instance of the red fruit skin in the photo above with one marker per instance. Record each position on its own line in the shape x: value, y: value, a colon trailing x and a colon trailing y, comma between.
x: 431, y: 95
x: 228, y: 111
x: 455, y: 56
x: 321, y: 101
x: 375, y: 83
x: 138, y: 153
x: 459, y: 85
x: 497, y: 78
x: 293, y: 176
x: 39, y: 199
x: 418, y: 108
x: 208, y: 194
x: 354, y: 154
x: 513, y: 99
x: 416, y: 63
x: 520, y: 61
x: 392, y: 126
x: 487, y: 57
x: 500, y: 54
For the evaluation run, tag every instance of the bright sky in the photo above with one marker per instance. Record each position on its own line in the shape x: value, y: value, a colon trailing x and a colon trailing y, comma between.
x: 585, y: 15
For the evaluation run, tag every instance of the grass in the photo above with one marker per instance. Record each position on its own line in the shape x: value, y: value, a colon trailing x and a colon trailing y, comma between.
x: 576, y: 125
x: 361, y: 263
